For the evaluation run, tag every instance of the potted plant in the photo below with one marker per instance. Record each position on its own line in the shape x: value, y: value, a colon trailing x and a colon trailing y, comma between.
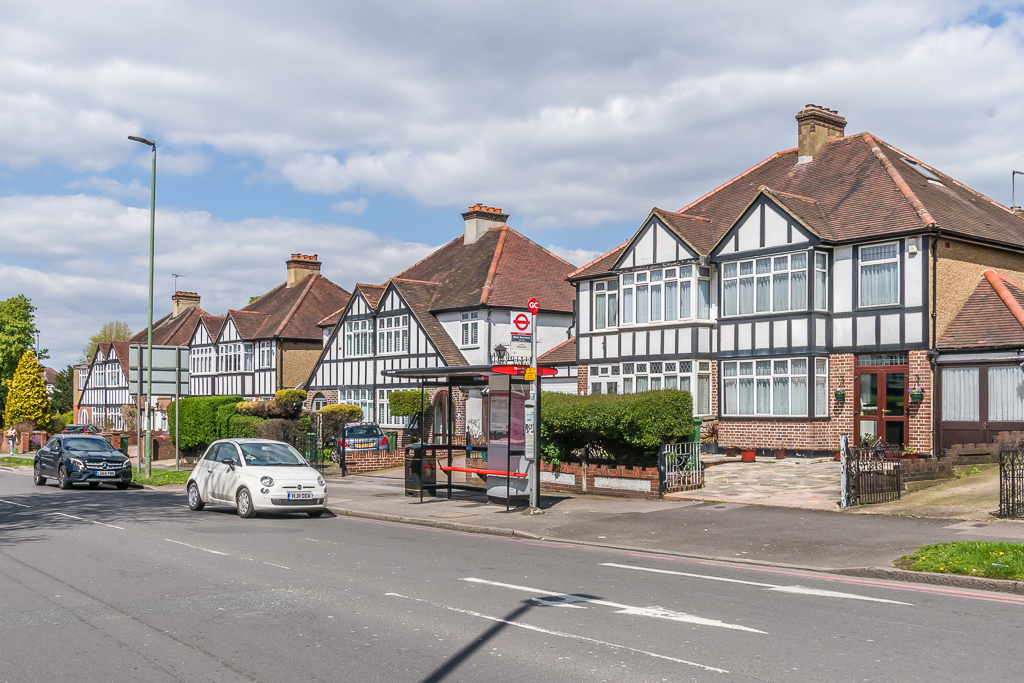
x: 709, y: 437
x: 780, y: 451
x: 748, y: 453
x: 916, y: 394
x: 839, y: 455
x: 840, y: 394
x: 910, y: 454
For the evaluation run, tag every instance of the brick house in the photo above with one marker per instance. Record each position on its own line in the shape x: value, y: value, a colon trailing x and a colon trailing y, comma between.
x: 270, y: 344
x: 836, y: 265
x: 453, y: 308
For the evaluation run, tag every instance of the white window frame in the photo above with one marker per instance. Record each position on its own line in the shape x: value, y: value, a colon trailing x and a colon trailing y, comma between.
x: 821, y: 280
x: 769, y: 371
x: 470, y: 337
x: 860, y: 272
x: 753, y: 276
x: 605, y: 298
x: 820, y: 379
x: 266, y: 354
x: 359, y: 338
x: 703, y: 281
x: 393, y: 335
x: 83, y: 377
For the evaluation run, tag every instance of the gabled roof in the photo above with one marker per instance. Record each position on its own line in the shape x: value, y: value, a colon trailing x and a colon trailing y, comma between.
x: 248, y: 323
x: 991, y: 318
x: 49, y: 375
x: 857, y: 187
x: 501, y: 269
x: 120, y: 351
x: 172, y: 330
x: 294, y: 312
x: 372, y: 293
x: 213, y: 324
x: 420, y: 296
x: 563, y: 354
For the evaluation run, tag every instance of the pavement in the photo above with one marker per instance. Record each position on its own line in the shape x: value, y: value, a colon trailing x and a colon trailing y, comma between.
x: 100, y: 585
x: 811, y: 483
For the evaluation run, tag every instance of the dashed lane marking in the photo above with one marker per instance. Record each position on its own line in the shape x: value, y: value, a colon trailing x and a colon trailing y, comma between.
x: 797, y: 590
x: 559, y: 634
x: 11, y: 502
x: 652, y: 612
x: 217, y: 552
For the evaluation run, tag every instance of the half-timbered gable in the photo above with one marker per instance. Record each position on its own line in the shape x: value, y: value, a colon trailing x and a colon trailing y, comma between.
x: 106, y: 386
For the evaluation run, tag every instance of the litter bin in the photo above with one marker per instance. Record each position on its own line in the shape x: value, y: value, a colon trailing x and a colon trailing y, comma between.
x: 420, y: 472
x: 695, y: 435
x: 392, y: 440
x: 123, y: 446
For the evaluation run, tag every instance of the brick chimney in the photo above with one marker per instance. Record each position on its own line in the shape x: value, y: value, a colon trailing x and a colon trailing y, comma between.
x: 183, y: 300
x: 301, y: 266
x: 816, y: 126
x: 479, y: 219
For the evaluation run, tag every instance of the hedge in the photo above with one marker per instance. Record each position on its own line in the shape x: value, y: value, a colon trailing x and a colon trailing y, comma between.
x: 626, y: 427
x: 334, y: 416
x: 243, y: 427
x: 275, y: 428
x: 408, y: 403
x: 198, y: 428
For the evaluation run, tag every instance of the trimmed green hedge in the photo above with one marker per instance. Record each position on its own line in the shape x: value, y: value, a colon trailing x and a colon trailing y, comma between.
x: 199, y: 426
x: 408, y: 403
x: 243, y: 427
x: 627, y: 427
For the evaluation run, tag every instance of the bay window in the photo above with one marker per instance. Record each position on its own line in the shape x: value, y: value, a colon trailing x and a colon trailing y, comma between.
x: 248, y: 357
x: 765, y: 285
x: 820, y: 281
x: 606, y: 304
x: 704, y: 294
x: 772, y: 387
x: 880, y: 274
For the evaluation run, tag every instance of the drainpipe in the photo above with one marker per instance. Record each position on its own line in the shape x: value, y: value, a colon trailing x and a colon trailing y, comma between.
x: 489, y: 361
x: 933, y: 347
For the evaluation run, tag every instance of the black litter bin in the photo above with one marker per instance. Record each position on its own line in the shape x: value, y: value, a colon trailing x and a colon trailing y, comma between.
x: 420, y: 472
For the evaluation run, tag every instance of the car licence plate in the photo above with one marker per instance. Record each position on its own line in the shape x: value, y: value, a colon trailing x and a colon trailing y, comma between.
x: 105, y: 473
x: 299, y: 496
x: 364, y: 444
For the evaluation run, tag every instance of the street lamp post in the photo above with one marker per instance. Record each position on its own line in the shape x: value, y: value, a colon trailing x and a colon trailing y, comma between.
x: 149, y: 334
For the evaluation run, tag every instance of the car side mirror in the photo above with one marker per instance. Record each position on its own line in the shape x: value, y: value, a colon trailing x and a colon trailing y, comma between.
x: 229, y: 462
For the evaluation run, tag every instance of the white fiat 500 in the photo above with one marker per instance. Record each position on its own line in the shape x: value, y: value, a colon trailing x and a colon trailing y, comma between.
x: 256, y: 475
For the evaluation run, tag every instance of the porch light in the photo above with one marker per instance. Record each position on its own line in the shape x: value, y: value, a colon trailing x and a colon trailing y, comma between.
x: 500, y: 352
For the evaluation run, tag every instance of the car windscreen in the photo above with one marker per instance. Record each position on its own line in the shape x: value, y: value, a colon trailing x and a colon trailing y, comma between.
x: 266, y: 454
x: 88, y: 445
x: 362, y: 432
x: 74, y: 429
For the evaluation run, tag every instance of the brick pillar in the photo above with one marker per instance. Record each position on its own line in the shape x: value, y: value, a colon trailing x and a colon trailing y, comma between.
x: 841, y: 368
x: 582, y: 379
x: 920, y: 414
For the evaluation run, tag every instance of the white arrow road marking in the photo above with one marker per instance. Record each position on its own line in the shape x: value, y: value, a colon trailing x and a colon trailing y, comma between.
x: 11, y: 502
x: 653, y: 612
x: 217, y: 552
x: 559, y: 634
x: 797, y: 590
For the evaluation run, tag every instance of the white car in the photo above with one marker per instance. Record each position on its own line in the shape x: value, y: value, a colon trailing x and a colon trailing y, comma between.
x: 256, y: 475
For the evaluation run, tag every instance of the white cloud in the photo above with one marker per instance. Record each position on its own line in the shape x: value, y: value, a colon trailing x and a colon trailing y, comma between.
x: 111, y: 187
x: 354, y: 206
x: 83, y: 260
x: 577, y: 257
x: 564, y: 113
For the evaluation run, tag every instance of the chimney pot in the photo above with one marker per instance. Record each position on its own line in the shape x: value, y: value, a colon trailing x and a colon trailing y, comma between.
x: 479, y: 219
x: 182, y: 300
x: 301, y: 266
x: 816, y: 125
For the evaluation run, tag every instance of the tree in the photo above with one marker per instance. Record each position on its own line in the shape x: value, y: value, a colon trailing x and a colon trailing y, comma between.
x: 115, y: 330
x: 63, y: 391
x: 27, y: 400
x: 17, y: 333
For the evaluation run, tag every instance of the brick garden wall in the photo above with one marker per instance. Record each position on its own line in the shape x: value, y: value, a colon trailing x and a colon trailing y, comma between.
x: 627, y: 474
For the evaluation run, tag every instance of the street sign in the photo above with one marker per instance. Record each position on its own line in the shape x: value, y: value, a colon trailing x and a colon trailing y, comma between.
x: 521, y: 322
x: 521, y: 346
x: 522, y: 370
x: 531, y: 374
x: 534, y: 306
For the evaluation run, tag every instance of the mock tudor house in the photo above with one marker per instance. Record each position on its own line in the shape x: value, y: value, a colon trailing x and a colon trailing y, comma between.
x: 103, y: 383
x: 269, y: 345
x: 802, y: 299
x: 453, y: 308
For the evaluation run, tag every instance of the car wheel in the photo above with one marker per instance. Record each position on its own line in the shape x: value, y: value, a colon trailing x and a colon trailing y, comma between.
x: 93, y: 484
x: 122, y: 485
x: 39, y: 479
x: 315, y: 513
x: 195, y: 502
x: 243, y: 503
x: 63, y: 483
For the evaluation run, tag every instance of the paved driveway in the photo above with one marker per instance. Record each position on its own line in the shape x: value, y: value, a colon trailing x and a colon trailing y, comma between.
x: 793, y: 482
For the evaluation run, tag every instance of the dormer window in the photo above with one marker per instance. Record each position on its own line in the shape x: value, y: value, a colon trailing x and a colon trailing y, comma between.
x: 470, y: 329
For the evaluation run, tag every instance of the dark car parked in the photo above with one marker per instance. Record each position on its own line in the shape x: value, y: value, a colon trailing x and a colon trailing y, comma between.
x: 80, y: 429
x: 75, y: 458
x: 364, y: 436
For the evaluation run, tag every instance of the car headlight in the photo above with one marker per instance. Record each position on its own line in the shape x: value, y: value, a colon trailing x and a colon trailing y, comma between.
x: 320, y: 480
x: 126, y: 464
x: 76, y: 463
x: 267, y: 481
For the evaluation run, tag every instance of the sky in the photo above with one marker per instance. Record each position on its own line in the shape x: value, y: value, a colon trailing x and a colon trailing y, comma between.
x: 360, y: 130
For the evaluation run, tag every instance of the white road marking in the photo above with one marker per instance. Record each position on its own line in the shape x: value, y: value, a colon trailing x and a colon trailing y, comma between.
x: 217, y: 552
x: 71, y: 516
x: 110, y: 525
x: 559, y: 634
x: 11, y: 502
x: 797, y: 590
x: 653, y: 612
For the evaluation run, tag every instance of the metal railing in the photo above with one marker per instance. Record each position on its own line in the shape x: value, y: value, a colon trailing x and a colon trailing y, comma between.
x: 680, y: 468
x: 1011, y: 484
x: 307, y: 443
x: 873, y: 475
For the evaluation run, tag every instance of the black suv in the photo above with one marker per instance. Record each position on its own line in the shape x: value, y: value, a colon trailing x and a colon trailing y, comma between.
x: 73, y: 458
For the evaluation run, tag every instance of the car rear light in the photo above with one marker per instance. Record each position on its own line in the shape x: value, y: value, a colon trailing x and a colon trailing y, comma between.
x: 384, y: 441
x: 347, y: 444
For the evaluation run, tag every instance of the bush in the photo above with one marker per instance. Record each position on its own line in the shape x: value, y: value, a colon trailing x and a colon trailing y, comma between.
x: 341, y: 414
x: 198, y: 420
x: 627, y: 427
x: 222, y: 417
x: 290, y: 401
x: 68, y: 417
x: 243, y: 427
x: 275, y: 428
x: 27, y: 400
x: 408, y: 403
x: 57, y: 424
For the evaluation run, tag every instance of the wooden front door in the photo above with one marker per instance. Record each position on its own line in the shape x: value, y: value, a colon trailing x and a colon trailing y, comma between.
x: 881, y: 410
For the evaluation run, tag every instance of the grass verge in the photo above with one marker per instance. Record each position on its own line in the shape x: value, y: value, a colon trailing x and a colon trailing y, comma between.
x: 160, y: 477
x: 15, y: 462
x: 971, y: 558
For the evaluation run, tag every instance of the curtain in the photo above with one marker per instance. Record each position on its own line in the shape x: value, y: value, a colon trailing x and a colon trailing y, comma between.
x: 960, y: 394
x: 627, y: 305
x: 798, y: 284
x: 613, y: 312
x: 747, y: 396
x: 799, y: 394
x: 641, y: 384
x: 879, y: 284
x: 655, y: 302
x: 780, y: 300
x: 746, y: 296
x: 703, y: 394
x: 671, y: 301
x: 781, y: 406
x: 684, y: 299
x: 764, y: 397
x: 729, y: 297
x: 703, y: 299
x: 821, y: 396
x: 820, y: 290
x: 764, y: 294
x: 641, y: 304
x: 1005, y: 394
x: 671, y: 383
x: 600, y: 308
x: 731, y: 402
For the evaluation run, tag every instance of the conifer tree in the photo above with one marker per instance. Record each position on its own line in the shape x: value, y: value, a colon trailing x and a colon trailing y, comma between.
x: 26, y: 397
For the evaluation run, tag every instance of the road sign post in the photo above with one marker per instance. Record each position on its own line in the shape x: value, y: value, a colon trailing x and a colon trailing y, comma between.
x: 534, y: 307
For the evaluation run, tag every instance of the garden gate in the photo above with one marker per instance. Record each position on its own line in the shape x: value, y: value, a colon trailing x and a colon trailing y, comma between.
x: 1011, y: 483
x: 873, y: 475
x: 680, y: 468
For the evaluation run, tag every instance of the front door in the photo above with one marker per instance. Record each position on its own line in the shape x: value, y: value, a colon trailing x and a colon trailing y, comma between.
x: 881, y: 410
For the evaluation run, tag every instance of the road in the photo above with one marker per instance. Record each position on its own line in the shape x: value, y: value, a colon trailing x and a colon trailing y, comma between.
x: 106, y: 585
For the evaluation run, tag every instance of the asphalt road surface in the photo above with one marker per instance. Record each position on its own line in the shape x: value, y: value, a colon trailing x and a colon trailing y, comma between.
x: 107, y: 585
